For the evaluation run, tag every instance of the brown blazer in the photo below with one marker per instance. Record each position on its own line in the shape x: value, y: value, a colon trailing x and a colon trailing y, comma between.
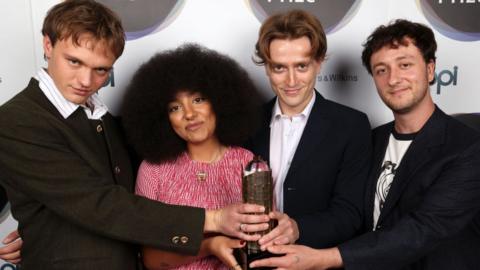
x: 70, y: 185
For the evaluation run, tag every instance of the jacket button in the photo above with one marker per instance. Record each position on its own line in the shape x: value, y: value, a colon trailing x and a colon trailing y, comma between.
x: 175, y: 239
x: 99, y: 128
x: 379, y: 227
x: 116, y: 170
x: 184, y: 239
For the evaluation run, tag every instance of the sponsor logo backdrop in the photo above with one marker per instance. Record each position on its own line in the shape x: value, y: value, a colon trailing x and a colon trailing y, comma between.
x: 231, y: 26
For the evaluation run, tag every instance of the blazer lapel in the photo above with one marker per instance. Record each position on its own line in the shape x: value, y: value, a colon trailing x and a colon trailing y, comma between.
x: 261, y: 141
x: 78, y: 127
x: 380, y: 143
x: 86, y: 137
x: 419, y: 153
x: 317, y: 127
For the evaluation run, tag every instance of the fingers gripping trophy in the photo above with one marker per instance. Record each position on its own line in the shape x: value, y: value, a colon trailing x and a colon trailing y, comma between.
x: 257, y: 188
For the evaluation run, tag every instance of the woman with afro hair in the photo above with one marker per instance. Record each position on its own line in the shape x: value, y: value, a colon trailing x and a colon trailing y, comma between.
x: 186, y: 113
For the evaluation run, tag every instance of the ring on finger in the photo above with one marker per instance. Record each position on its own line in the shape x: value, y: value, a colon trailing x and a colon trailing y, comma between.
x: 240, y: 227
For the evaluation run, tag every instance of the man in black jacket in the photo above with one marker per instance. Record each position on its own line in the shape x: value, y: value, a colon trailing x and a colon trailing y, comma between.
x: 423, y: 195
x: 318, y: 150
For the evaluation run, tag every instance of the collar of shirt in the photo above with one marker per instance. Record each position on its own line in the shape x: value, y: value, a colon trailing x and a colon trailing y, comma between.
x: 277, y: 112
x: 65, y: 107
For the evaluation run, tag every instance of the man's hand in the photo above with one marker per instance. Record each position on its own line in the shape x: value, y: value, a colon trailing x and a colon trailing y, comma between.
x: 300, y: 258
x: 286, y: 231
x: 222, y: 247
x: 237, y: 220
x: 11, y: 251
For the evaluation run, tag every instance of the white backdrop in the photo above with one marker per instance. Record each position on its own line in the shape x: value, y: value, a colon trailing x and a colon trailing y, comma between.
x: 231, y: 26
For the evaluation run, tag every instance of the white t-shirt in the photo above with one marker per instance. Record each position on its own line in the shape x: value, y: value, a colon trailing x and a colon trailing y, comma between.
x: 397, y: 146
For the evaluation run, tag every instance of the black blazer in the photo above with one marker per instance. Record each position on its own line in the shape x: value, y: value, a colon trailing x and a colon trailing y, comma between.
x: 70, y: 189
x: 324, y: 187
x: 430, y: 219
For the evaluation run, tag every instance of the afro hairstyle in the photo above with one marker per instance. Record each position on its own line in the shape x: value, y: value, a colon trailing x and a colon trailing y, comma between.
x: 144, y: 111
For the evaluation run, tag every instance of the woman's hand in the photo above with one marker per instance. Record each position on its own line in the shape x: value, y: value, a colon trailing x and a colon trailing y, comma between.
x: 222, y: 247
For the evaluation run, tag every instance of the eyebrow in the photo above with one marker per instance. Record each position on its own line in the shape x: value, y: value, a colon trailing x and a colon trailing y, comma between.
x: 305, y: 62
x: 407, y: 56
x: 71, y: 57
x: 402, y: 57
x: 378, y: 64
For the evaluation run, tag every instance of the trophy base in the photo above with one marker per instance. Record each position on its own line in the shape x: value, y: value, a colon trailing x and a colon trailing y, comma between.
x: 245, y: 259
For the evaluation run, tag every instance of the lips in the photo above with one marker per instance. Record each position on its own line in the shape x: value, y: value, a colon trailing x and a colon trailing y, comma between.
x: 81, y: 92
x: 193, y: 126
x: 291, y: 92
x: 398, y: 91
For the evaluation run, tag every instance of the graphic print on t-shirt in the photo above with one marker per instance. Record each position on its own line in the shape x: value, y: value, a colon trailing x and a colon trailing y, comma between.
x: 397, y: 146
x: 385, y: 181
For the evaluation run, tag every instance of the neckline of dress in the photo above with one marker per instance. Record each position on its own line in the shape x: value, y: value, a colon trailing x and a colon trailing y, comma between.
x: 215, y: 161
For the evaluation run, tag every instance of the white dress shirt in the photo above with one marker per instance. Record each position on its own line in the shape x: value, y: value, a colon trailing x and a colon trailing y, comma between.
x: 65, y: 107
x: 285, y: 134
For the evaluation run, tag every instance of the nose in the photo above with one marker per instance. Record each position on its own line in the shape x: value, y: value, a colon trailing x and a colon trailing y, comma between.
x: 190, y: 112
x: 85, y: 77
x: 292, y: 78
x: 393, y: 77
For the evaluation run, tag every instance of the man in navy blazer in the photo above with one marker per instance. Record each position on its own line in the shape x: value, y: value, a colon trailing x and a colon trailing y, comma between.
x: 318, y: 150
x: 423, y: 194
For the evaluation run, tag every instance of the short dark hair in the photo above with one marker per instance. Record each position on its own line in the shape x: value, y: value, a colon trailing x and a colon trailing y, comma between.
x: 234, y: 98
x: 290, y: 25
x: 72, y: 18
x: 395, y: 34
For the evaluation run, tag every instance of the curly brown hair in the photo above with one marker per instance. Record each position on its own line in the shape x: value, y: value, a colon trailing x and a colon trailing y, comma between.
x: 395, y: 34
x: 234, y: 98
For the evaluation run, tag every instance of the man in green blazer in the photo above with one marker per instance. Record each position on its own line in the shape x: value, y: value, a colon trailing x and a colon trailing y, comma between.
x: 65, y: 167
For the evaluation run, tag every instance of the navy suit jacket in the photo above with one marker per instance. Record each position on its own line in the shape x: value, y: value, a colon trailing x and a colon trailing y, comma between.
x: 430, y: 219
x: 324, y: 187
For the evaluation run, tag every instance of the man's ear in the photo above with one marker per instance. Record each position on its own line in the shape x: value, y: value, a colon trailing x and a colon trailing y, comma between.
x: 431, y: 71
x: 47, y: 47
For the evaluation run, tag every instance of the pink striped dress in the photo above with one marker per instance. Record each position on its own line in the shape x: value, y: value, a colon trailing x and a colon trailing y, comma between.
x: 177, y: 183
